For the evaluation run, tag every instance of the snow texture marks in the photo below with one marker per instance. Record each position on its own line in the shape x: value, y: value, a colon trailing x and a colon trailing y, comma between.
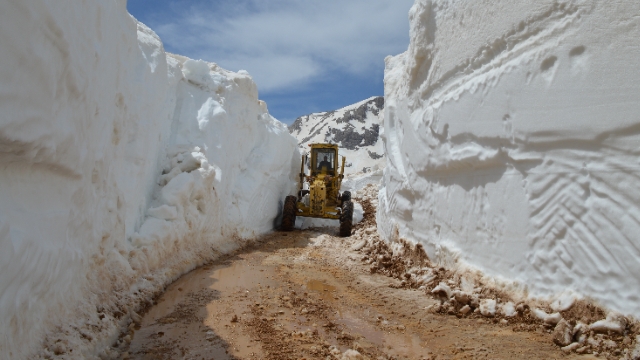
x: 355, y: 128
x: 510, y: 132
x: 122, y: 167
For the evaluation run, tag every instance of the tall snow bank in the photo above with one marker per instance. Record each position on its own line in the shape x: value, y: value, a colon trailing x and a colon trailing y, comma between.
x: 121, y: 167
x: 512, y: 132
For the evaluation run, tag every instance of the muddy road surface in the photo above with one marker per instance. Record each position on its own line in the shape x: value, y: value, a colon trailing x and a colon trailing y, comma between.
x: 310, y: 295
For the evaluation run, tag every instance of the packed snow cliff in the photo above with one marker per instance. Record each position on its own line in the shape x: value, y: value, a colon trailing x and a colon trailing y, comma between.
x: 122, y: 167
x: 512, y: 132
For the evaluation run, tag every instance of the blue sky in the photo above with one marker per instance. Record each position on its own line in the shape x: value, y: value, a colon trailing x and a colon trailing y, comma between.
x: 306, y: 56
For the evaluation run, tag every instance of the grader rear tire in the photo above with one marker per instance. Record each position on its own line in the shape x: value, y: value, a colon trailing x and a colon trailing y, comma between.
x: 289, y: 213
x: 346, y: 219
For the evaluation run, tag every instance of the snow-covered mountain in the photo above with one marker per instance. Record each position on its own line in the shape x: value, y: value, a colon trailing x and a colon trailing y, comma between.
x: 355, y: 128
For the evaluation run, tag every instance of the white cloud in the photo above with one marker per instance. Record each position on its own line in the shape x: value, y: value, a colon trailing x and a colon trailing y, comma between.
x: 286, y: 43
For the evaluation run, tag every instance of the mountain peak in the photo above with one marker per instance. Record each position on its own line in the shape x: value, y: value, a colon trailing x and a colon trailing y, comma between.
x: 354, y: 128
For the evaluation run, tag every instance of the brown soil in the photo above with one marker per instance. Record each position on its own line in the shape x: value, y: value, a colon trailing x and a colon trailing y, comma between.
x: 308, y: 295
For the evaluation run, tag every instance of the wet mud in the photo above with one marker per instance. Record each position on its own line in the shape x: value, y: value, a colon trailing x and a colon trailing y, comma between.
x: 307, y: 295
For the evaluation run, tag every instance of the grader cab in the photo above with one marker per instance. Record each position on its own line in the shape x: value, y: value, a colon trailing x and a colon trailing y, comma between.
x: 319, y: 193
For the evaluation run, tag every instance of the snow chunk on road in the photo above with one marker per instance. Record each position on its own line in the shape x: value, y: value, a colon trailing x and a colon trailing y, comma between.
x: 508, y: 309
x: 488, y: 307
x: 551, y: 319
x: 614, y: 322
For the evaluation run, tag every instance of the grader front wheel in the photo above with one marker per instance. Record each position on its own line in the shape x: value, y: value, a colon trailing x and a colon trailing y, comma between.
x: 346, y: 219
x: 289, y: 213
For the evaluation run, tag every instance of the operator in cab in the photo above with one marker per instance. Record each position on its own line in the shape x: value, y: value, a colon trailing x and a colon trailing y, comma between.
x: 324, y: 163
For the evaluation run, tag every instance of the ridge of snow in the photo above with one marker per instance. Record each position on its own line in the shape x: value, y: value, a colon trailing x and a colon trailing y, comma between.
x: 511, y: 132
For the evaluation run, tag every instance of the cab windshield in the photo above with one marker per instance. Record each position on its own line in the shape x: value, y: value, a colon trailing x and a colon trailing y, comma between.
x: 324, y: 160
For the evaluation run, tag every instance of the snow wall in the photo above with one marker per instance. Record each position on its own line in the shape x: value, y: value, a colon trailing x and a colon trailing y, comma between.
x: 121, y: 168
x: 512, y: 131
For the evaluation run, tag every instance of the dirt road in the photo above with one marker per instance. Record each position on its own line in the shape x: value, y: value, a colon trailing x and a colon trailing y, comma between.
x: 309, y: 295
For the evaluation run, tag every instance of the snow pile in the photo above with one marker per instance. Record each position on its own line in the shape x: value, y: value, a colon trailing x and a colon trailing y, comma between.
x: 511, y: 132
x: 122, y: 167
x: 355, y: 128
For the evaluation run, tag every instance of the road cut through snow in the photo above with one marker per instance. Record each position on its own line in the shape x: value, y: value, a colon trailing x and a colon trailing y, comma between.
x: 305, y: 294
x: 310, y: 294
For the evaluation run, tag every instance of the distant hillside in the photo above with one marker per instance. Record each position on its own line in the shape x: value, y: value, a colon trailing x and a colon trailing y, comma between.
x: 355, y: 128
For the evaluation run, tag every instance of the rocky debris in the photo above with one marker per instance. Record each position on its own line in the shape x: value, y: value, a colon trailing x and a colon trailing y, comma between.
x: 462, y: 297
x: 465, y: 310
x: 563, y: 333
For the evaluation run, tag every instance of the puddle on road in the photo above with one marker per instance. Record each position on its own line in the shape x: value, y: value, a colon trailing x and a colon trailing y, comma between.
x: 326, y: 292
x: 403, y: 344
x: 407, y: 345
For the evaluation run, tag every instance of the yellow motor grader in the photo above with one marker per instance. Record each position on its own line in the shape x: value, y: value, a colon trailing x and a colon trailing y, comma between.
x: 319, y: 192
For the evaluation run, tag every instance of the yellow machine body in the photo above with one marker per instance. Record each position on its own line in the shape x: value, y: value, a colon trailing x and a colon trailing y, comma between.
x: 323, y: 183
